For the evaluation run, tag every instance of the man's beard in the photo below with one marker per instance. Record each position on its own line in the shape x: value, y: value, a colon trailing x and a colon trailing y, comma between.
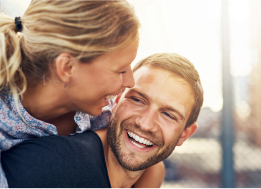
x: 127, y: 161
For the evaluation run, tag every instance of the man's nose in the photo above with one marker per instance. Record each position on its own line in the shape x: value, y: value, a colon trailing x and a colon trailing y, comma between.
x: 148, y: 121
x: 127, y: 78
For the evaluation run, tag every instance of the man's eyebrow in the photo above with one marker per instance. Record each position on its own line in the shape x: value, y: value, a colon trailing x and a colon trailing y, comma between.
x: 139, y: 93
x: 167, y: 107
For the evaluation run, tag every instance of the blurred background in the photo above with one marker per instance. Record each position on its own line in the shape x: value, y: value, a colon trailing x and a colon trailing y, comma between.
x: 222, y: 38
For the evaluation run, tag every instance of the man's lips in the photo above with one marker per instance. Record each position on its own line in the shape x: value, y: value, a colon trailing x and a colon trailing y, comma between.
x: 140, y: 142
x: 139, y: 139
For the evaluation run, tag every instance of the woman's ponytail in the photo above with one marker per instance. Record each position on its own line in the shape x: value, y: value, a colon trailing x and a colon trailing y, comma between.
x: 11, y: 75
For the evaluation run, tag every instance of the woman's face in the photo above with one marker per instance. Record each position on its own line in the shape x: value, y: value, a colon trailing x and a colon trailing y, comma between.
x: 106, y: 75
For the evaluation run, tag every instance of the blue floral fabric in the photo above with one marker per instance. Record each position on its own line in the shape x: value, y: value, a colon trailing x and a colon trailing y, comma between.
x: 13, y: 129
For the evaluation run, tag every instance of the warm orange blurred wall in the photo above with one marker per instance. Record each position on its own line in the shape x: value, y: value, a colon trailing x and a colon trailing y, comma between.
x: 253, y: 124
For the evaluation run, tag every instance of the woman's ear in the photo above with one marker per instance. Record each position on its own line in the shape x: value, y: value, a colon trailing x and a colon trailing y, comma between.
x: 190, y: 130
x: 63, y: 65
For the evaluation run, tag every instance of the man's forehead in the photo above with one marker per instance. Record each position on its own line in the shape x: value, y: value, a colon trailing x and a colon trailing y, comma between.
x: 145, y: 77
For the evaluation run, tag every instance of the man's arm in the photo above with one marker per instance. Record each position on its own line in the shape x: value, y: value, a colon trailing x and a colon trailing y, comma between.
x: 76, y: 161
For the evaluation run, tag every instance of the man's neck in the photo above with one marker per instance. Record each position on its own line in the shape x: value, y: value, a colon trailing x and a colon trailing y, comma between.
x: 119, y: 177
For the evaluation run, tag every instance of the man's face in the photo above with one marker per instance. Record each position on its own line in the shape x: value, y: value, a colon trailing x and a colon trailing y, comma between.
x: 148, y: 120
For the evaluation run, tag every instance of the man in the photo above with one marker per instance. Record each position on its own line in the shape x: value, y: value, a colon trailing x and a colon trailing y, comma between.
x: 147, y: 123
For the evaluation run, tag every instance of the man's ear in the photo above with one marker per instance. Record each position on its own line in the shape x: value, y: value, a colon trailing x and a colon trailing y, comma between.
x: 64, y: 64
x: 190, y: 130
x: 116, y: 101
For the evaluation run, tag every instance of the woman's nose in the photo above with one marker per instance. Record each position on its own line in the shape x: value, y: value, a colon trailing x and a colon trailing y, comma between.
x: 128, y: 79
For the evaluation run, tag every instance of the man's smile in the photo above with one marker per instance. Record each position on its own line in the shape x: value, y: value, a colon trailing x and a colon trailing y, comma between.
x: 140, y: 139
x: 139, y: 143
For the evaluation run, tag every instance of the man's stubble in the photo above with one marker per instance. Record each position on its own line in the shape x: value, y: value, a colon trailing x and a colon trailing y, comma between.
x: 128, y: 161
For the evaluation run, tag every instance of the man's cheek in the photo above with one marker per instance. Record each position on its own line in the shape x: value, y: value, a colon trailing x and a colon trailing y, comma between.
x: 123, y: 108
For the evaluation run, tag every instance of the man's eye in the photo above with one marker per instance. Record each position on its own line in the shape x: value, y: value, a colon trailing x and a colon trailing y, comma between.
x: 135, y: 99
x: 169, y: 115
x: 123, y: 72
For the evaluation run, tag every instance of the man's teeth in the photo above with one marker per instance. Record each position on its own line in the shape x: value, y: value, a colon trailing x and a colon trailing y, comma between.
x: 139, y: 139
x: 136, y: 144
x: 110, y: 97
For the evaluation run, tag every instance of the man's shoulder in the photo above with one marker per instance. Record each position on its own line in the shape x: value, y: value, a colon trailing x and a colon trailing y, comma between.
x: 102, y: 133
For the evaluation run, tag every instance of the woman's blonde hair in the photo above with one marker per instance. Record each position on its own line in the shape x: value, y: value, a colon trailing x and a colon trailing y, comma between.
x: 85, y: 29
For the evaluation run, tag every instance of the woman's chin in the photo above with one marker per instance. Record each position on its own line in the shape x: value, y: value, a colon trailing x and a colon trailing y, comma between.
x: 96, y: 112
x: 96, y: 109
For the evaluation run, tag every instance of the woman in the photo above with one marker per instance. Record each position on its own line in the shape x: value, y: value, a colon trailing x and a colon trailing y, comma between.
x: 59, y: 63
x: 68, y: 56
